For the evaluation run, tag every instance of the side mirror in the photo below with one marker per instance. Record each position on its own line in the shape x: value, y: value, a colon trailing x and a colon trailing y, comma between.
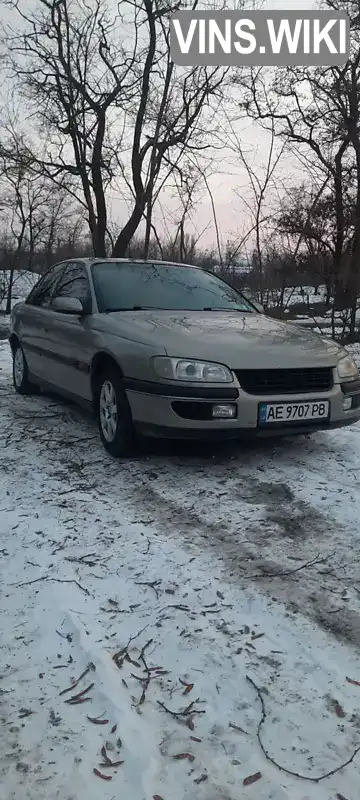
x: 68, y: 305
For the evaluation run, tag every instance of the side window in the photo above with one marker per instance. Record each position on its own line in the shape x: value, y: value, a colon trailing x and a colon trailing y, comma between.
x: 42, y: 293
x: 74, y: 282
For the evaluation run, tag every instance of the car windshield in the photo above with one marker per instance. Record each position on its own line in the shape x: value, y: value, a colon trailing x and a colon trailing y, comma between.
x: 121, y: 286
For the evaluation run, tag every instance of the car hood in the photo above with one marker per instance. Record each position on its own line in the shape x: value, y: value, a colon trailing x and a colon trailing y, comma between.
x: 240, y: 340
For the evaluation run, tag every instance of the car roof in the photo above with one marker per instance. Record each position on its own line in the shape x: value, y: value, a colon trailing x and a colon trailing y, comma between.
x: 97, y: 260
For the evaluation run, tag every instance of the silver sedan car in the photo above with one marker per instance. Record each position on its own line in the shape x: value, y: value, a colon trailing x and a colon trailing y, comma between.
x: 171, y: 350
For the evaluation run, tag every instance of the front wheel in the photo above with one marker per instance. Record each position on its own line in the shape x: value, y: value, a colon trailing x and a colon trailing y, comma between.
x: 114, y: 415
x: 21, y: 381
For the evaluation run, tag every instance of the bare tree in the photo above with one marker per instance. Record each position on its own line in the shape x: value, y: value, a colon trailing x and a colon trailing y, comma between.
x: 317, y: 110
x: 308, y: 215
x: 19, y: 203
x: 261, y: 177
x: 110, y: 102
x: 34, y: 215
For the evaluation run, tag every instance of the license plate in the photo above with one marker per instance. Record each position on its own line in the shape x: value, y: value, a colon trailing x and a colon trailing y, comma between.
x: 293, y: 412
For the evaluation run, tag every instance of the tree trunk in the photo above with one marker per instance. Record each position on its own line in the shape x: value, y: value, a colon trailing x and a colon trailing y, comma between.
x: 328, y: 287
x: 148, y: 224
x: 352, y: 326
x: 9, y: 294
x: 98, y: 189
x: 340, y: 299
x: 182, y: 243
x: 97, y: 237
x: 352, y: 283
x: 125, y: 236
x: 282, y: 295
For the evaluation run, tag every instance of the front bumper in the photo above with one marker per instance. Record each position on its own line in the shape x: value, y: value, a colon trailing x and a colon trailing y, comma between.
x: 158, y: 410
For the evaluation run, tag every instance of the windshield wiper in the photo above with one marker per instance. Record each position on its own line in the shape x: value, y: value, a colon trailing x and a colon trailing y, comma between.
x: 132, y: 308
x: 239, y: 310
x: 176, y: 310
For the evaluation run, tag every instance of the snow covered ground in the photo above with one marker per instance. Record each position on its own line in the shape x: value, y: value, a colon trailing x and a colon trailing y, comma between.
x: 211, y: 597
x: 297, y: 294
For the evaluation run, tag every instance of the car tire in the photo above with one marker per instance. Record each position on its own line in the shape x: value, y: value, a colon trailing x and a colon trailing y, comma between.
x: 114, y: 415
x: 22, y: 385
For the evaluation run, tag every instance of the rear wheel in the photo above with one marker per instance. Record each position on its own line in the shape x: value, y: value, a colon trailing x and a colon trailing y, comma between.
x: 114, y: 414
x: 21, y: 381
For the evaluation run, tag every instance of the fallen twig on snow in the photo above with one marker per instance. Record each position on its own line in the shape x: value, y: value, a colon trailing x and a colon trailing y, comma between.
x: 237, y: 728
x: 116, y: 610
x: 317, y: 560
x: 90, y: 667
x: 145, y: 552
x: 151, y: 584
x: 188, y: 711
x: 80, y: 697
x: 147, y: 680
x: 142, y: 653
x: 151, y: 675
x: 62, y: 545
x: 279, y: 766
x: 211, y: 611
x: 79, y: 701
x: 119, y: 657
x: 132, y: 660
x: 67, y: 636
x: 252, y: 779
x: 25, y: 712
x: 100, y: 775
x: 98, y: 720
x: 123, y: 654
x: 201, y: 778
x: 353, y: 683
x: 184, y: 756
x: 84, y: 560
x: 56, y: 580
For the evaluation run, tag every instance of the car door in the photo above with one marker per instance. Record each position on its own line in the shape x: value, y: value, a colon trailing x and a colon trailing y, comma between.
x: 30, y: 325
x: 68, y: 336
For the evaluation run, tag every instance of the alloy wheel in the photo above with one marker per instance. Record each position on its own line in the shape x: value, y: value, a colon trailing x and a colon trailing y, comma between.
x: 108, y: 411
x: 19, y: 367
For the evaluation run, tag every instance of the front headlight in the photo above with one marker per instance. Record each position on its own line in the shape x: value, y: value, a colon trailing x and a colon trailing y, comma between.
x: 347, y: 368
x: 187, y: 369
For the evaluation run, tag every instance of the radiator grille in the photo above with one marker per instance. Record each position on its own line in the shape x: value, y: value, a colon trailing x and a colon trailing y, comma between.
x: 285, y: 381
